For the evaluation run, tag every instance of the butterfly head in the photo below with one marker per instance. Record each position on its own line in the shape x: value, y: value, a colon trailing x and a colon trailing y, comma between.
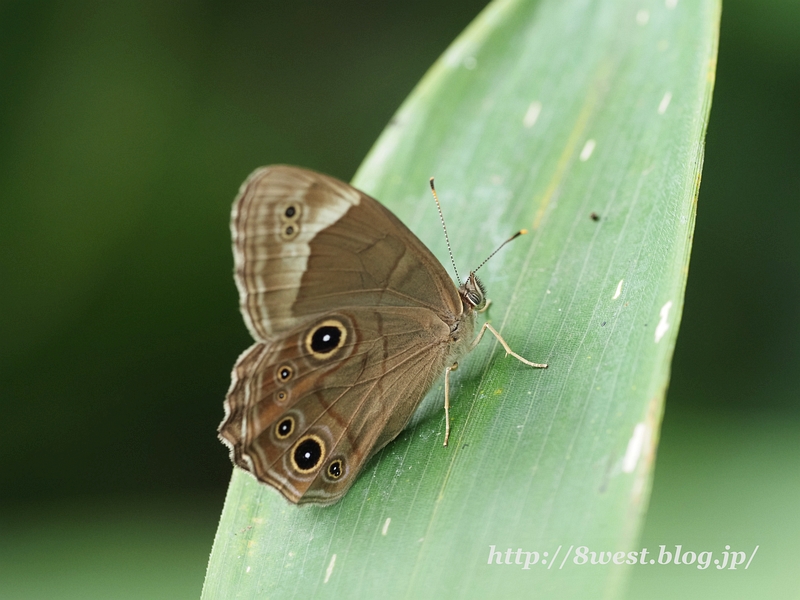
x: 472, y: 293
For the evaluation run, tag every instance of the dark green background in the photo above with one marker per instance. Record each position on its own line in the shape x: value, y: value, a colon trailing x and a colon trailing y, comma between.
x: 125, y: 131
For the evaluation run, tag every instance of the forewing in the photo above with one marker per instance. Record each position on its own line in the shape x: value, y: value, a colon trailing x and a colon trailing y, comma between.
x: 305, y: 244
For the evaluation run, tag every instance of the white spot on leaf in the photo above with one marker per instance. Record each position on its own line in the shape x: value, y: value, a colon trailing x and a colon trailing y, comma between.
x: 329, y: 571
x: 588, y: 148
x: 385, y: 529
x: 664, y: 104
x: 663, y: 324
x: 532, y: 114
x: 642, y: 17
x: 618, y: 291
x: 634, y: 449
x: 670, y: 4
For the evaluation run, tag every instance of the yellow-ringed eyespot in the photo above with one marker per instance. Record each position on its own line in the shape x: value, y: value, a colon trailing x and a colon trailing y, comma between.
x: 285, y: 373
x: 281, y: 396
x: 284, y: 428
x: 291, y: 212
x: 308, y: 453
x: 325, y: 338
x: 335, y: 468
x: 289, y: 232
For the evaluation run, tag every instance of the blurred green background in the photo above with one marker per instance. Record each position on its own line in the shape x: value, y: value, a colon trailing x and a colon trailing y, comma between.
x: 125, y: 131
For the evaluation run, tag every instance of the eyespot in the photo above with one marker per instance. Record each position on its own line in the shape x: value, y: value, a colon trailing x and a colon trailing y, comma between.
x: 289, y: 232
x: 335, y: 469
x: 291, y: 212
x: 285, y: 373
x: 281, y: 396
x: 308, y: 453
x: 326, y: 338
x: 284, y: 428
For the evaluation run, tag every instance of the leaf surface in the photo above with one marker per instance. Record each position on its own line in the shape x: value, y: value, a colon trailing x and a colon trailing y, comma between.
x: 584, y: 123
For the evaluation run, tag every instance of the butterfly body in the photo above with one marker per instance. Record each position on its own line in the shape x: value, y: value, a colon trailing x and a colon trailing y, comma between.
x: 354, y: 319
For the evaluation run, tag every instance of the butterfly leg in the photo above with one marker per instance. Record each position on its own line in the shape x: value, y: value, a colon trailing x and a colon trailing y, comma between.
x: 505, y: 346
x: 447, y: 401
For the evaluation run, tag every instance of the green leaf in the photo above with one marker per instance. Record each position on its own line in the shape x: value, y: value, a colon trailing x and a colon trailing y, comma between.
x: 539, y: 115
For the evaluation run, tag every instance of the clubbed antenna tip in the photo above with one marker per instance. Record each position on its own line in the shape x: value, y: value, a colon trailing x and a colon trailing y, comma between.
x: 513, y: 237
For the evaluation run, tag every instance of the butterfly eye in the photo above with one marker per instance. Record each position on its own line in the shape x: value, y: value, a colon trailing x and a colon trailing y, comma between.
x: 284, y: 428
x: 308, y: 453
x: 336, y: 469
x: 473, y: 292
x: 473, y: 298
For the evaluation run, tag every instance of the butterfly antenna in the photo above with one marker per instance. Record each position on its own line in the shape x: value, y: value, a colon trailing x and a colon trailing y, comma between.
x: 513, y: 237
x: 446, y: 237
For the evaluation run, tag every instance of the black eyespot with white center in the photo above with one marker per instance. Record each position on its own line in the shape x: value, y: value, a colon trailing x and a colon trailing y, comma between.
x: 284, y: 428
x: 324, y: 339
x: 290, y: 212
x: 308, y: 453
x: 336, y: 469
x: 285, y: 373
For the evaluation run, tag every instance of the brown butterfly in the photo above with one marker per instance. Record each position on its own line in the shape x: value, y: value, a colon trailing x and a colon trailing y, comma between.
x: 354, y: 319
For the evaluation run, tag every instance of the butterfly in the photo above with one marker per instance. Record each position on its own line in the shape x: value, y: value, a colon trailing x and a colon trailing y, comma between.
x: 353, y: 319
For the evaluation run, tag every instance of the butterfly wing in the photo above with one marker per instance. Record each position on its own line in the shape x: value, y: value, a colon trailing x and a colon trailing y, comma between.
x: 305, y: 243
x: 306, y: 422
x: 352, y: 315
